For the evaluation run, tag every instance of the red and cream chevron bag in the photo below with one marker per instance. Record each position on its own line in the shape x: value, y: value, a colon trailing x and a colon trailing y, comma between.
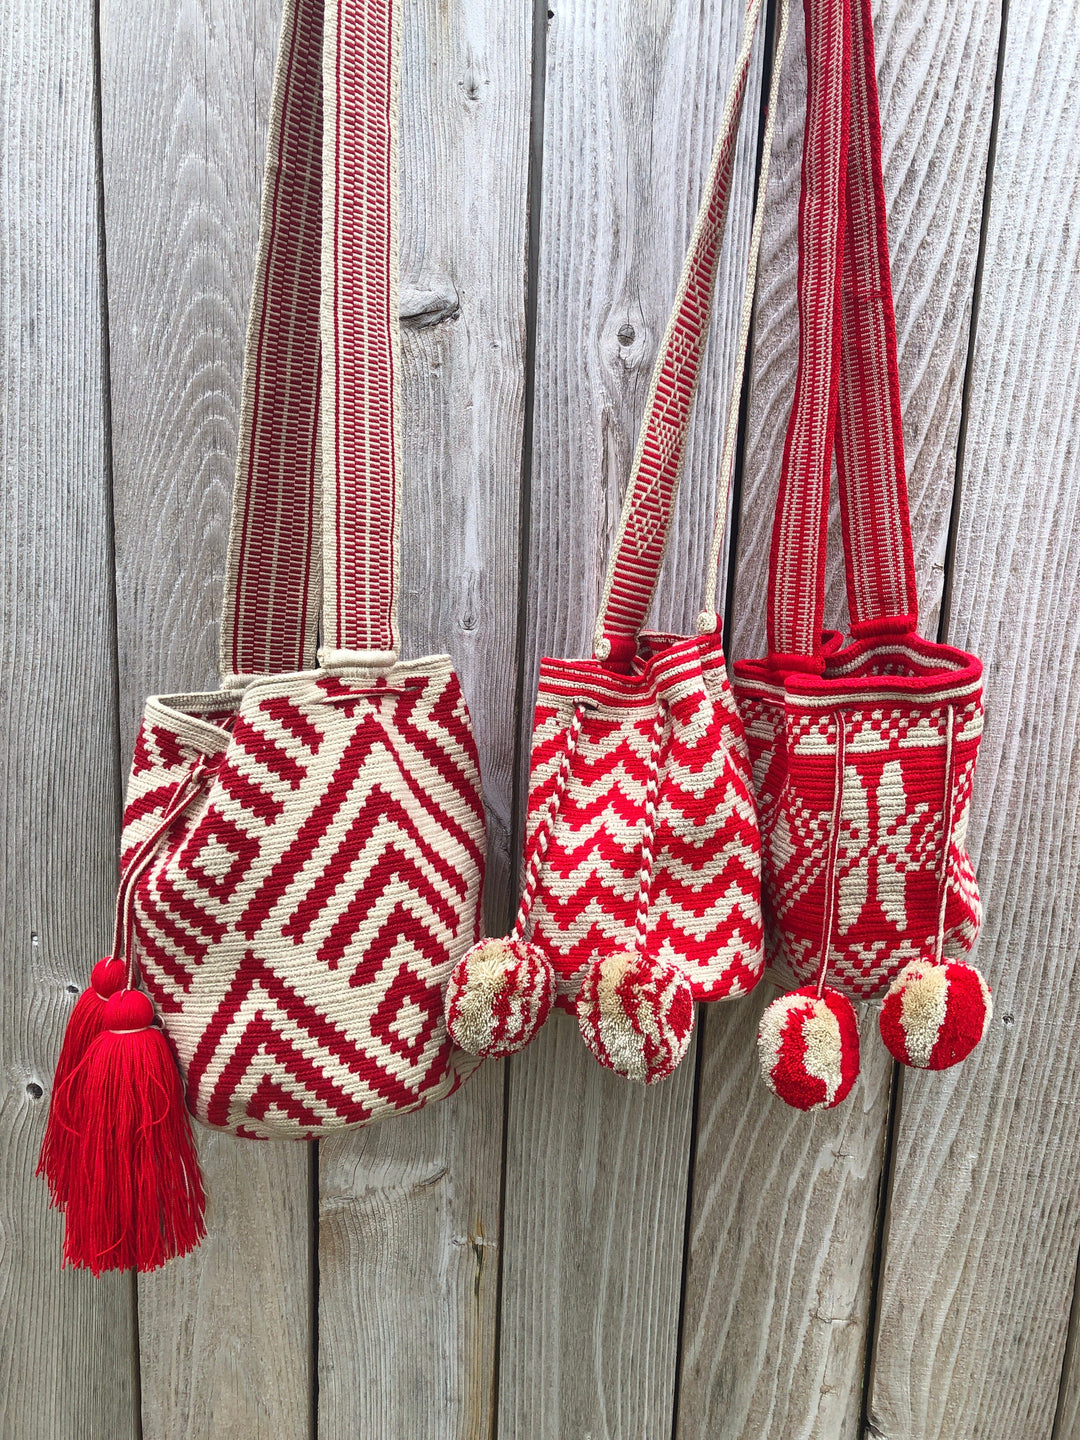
x: 641, y: 890
x: 302, y: 851
x: 863, y: 753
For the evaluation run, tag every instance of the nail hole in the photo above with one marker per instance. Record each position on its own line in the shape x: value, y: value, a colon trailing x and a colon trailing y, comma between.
x: 551, y: 14
x: 34, y: 1090
x: 1008, y: 1020
x: 626, y: 335
x: 72, y: 989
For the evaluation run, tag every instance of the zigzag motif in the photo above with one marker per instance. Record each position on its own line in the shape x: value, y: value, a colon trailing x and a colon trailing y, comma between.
x: 298, y: 928
x: 705, y: 912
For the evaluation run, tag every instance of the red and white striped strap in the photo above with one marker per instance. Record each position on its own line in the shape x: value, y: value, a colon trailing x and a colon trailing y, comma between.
x: 315, y: 508
x: 847, y: 393
x: 638, y: 552
x: 880, y: 563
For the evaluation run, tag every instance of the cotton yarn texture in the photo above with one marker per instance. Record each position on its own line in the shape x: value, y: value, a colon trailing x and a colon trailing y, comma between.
x: 642, y: 853
x: 297, y: 922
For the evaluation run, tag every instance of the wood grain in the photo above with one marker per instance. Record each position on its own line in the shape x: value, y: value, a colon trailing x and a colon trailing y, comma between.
x: 409, y: 1211
x: 596, y: 1208
x: 783, y: 1225
x: 984, y: 1222
x: 1067, y: 1418
x: 67, y: 1349
x: 781, y: 1244
x: 225, y: 1335
x: 596, y: 1168
x: 408, y: 1272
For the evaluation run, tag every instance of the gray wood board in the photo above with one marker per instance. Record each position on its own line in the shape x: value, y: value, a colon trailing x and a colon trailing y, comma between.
x: 782, y: 1235
x: 67, y: 1350
x: 596, y: 1168
x: 984, y: 1221
x: 226, y: 1334
x: 409, y: 1210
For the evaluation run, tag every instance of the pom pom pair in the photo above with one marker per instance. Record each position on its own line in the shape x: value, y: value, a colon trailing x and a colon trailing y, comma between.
x: 118, y: 1153
x: 635, y: 1014
x: 934, y: 1015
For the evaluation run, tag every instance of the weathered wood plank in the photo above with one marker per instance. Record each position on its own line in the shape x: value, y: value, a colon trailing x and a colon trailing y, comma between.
x: 409, y: 1211
x: 781, y: 1245
x: 597, y: 1168
x: 67, y: 1348
x: 782, y: 1235
x: 1067, y: 1419
x: 593, y: 1244
x: 225, y: 1335
x: 985, y: 1221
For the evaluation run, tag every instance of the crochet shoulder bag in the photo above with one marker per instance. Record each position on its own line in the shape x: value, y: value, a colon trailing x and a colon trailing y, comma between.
x: 302, y: 851
x: 863, y: 752
x: 641, y: 883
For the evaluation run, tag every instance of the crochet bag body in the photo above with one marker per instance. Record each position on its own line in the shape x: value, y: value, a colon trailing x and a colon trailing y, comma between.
x: 298, y: 921
x: 641, y: 888
x: 302, y: 851
x: 863, y: 753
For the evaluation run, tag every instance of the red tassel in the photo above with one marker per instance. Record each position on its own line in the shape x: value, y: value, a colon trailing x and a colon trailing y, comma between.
x: 84, y: 1026
x: 135, y: 1196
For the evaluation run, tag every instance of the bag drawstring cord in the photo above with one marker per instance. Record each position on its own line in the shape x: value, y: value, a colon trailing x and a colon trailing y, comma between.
x: 124, y: 923
x: 535, y: 867
x: 831, y: 882
x: 648, y: 838
x: 947, y: 811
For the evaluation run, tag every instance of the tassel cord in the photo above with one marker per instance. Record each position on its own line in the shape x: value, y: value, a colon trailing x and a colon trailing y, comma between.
x: 831, y: 879
x: 947, y: 818
x: 123, y: 926
x: 657, y: 746
x: 535, y: 867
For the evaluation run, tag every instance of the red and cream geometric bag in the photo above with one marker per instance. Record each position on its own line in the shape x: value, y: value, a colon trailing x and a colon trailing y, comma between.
x: 863, y: 753
x: 641, y: 889
x: 302, y: 851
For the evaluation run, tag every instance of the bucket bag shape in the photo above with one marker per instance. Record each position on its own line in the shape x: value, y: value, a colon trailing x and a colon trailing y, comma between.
x: 641, y: 882
x: 302, y: 851
x: 863, y: 752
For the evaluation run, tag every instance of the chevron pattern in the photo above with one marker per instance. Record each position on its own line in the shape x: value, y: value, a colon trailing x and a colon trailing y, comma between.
x: 901, y: 802
x: 298, y: 924
x: 704, y: 915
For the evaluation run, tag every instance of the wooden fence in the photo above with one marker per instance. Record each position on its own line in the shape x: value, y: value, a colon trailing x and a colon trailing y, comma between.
x: 554, y: 1254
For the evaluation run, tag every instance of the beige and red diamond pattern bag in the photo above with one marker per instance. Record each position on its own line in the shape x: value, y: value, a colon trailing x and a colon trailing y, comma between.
x: 302, y: 850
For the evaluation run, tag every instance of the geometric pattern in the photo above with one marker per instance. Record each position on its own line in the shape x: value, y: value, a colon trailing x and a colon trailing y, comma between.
x: 863, y: 755
x: 298, y: 923
x: 704, y: 910
x: 905, y: 794
x: 650, y: 852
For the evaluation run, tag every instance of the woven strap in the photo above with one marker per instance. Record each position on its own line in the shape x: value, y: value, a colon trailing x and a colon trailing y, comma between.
x: 315, y: 507
x: 638, y: 553
x: 879, y: 560
x: 847, y: 394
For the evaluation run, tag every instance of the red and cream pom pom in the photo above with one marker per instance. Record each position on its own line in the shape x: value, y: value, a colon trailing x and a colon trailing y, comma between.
x: 499, y: 994
x: 935, y: 1013
x: 808, y: 1045
x: 636, y: 1015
